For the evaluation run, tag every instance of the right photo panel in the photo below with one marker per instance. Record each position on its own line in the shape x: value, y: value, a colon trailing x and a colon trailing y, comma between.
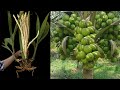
x: 84, y: 45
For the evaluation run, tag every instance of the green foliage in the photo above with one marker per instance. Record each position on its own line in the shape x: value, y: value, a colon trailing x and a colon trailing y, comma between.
x: 104, y: 69
x: 10, y: 23
x: 43, y: 31
x: 10, y: 40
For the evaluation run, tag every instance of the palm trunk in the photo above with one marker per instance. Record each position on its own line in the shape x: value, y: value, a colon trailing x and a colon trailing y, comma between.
x: 87, y: 74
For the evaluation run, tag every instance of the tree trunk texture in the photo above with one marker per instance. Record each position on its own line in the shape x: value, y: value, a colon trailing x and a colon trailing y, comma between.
x: 87, y: 74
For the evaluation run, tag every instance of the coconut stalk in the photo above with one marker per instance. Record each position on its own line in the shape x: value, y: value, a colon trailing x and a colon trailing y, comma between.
x: 23, y: 24
x: 87, y: 73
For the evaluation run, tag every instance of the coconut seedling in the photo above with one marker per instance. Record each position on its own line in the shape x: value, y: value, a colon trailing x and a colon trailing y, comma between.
x: 24, y: 31
x: 23, y: 23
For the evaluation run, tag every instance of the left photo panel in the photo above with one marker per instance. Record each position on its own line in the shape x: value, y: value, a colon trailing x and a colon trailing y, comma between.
x: 24, y: 44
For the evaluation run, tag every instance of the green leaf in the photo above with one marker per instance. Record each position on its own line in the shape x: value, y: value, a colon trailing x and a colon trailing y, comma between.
x: 10, y: 23
x: 101, y: 51
x: 37, y: 24
x: 64, y: 42
x: 5, y: 42
x: 35, y: 45
x: 8, y: 41
x: 40, y: 39
x: 43, y: 26
x: 113, y: 47
x: 14, y: 33
x: 7, y: 48
x: 45, y: 33
x: 13, y: 36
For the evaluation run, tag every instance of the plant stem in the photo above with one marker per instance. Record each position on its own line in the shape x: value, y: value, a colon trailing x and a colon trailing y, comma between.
x: 20, y: 42
x: 35, y: 50
x: 13, y: 47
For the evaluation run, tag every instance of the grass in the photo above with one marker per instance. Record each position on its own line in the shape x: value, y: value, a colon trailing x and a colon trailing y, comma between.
x: 67, y: 69
x: 62, y: 69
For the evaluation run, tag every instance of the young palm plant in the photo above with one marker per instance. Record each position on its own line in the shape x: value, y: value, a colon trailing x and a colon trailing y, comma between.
x: 23, y: 23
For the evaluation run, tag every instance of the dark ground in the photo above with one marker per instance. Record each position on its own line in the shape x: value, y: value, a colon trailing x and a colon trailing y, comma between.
x: 42, y: 61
